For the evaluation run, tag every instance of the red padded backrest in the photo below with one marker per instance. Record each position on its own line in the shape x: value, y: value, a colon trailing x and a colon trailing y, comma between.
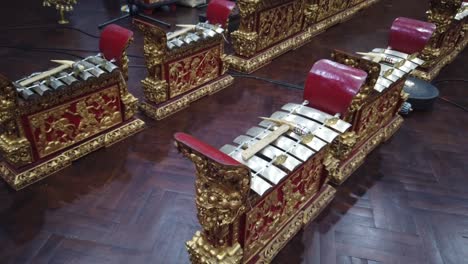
x: 113, y: 42
x: 409, y: 35
x: 205, y: 149
x: 331, y: 86
x: 218, y: 11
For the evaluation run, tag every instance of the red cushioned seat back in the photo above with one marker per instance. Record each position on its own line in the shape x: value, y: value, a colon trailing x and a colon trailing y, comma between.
x: 331, y: 86
x: 218, y: 12
x: 409, y: 35
x: 113, y: 42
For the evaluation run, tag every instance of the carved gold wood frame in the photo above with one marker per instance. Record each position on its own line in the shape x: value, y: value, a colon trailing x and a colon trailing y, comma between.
x: 165, y: 96
x: 18, y: 179
x: 247, y: 36
x: 347, y: 167
x: 366, y: 117
x: 23, y: 174
x: 431, y: 73
x: 247, y: 236
x: 449, y: 39
x: 201, y: 252
x: 159, y: 112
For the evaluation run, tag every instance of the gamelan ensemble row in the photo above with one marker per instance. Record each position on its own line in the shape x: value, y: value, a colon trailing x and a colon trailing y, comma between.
x: 256, y: 192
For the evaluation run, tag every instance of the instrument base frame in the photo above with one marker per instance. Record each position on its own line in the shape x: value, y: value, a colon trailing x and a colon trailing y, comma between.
x: 261, y: 59
x: 177, y: 104
x: 351, y: 164
x: 21, y: 178
x: 431, y: 73
x: 202, y: 253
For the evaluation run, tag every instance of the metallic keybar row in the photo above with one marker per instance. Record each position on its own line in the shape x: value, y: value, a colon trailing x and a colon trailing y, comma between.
x: 290, y: 150
x: 200, y: 31
x: 394, y: 66
x: 86, y: 69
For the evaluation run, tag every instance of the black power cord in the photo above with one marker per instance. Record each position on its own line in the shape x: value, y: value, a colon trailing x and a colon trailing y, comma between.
x: 450, y: 101
x: 281, y: 83
x: 449, y: 80
x: 453, y: 103
x: 61, y: 50
x: 43, y: 50
x: 49, y: 27
x: 57, y: 49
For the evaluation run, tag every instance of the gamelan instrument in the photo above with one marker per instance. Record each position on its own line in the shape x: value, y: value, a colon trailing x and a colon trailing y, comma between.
x: 51, y: 118
x: 449, y: 39
x: 257, y: 192
x: 184, y: 65
x: 374, y: 109
x: 254, y: 194
x: 269, y: 29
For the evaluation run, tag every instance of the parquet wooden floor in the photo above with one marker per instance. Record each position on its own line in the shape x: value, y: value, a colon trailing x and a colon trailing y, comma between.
x: 133, y: 202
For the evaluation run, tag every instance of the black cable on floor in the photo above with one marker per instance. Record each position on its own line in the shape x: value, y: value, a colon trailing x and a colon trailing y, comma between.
x: 281, y: 83
x: 453, y: 103
x: 62, y: 50
x: 43, y: 50
x: 49, y: 27
x: 61, y: 27
x: 85, y: 50
x: 448, y: 80
x: 137, y: 66
x: 450, y: 101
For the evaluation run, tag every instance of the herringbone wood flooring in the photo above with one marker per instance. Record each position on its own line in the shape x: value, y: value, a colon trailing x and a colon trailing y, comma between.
x: 133, y: 202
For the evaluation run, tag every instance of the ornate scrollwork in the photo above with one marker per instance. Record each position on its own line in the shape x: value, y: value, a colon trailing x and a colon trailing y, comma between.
x: 342, y: 147
x: 129, y: 101
x: 221, y: 195
x: 245, y: 43
x: 328, y: 8
x: 311, y: 14
x: 331, y: 163
x: 193, y: 71
x: 63, y: 126
x: 154, y: 50
x: 202, y: 252
x: 448, y: 31
x: 124, y: 61
x: 430, y: 53
x: 178, y: 76
x: 13, y: 144
x: 278, y: 23
x: 290, y: 24
x: 247, y: 10
x: 264, y: 24
x: 244, y: 40
x: 442, y: 13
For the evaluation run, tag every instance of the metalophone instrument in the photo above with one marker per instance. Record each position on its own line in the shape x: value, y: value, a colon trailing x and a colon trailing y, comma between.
x: 255, y: 194
x: 49, y: 119
x: 250, y: 207
x: 184, y: 65
x: 269, y: 29
x: 374, y: 110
